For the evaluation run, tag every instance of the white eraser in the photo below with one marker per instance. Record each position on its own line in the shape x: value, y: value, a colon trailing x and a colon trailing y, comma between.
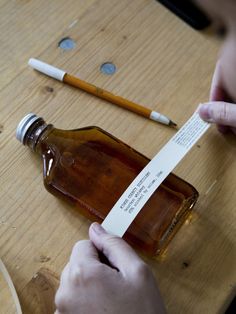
x: 47, y: 69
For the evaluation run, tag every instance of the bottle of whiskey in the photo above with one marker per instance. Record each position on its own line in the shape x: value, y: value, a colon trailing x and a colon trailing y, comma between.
x: 90, y: 169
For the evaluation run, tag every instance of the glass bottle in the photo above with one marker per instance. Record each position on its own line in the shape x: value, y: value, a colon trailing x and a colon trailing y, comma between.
x: 90, y: 169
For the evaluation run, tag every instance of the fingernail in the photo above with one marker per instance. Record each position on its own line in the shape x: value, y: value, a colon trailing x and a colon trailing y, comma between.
x: 98, y: 229
x: 204, y: 112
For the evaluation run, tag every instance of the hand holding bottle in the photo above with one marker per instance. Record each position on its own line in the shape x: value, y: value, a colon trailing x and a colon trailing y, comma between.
x: 220, y: 109
x: 125, y: 286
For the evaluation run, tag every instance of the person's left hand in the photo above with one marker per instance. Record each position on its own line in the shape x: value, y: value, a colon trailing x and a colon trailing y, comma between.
x: 89, y: 286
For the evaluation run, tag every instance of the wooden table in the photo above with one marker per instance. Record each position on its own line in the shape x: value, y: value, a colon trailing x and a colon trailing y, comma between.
x: 161, y: 63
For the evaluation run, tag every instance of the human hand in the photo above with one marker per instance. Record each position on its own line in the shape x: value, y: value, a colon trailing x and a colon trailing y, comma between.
x: 220, y: 109
x: 125, y: 286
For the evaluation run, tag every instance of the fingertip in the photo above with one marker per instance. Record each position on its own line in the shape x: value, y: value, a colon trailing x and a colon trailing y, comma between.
x: 97, y: 234
x: 204, y: 112
x: 97, y: 229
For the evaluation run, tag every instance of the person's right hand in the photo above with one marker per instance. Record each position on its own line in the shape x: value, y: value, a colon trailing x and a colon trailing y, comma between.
x: 220, y: 109
x: 125, y: 284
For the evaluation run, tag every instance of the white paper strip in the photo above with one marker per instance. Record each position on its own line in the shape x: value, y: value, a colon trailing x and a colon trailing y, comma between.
x: 144, y: 185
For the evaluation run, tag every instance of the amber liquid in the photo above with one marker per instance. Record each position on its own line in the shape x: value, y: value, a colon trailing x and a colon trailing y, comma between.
x: 91, y: 169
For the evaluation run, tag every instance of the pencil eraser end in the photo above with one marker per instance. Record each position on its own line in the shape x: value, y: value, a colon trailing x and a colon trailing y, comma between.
x: 47, y: 69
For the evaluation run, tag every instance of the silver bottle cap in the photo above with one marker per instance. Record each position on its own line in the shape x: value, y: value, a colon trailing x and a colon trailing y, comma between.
x: 24, y: 126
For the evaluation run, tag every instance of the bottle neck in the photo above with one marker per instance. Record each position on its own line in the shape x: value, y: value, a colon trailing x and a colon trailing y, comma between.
x: 35, y: 132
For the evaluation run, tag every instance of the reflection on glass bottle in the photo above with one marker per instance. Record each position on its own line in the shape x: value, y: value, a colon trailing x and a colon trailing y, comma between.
x: 90, y: 169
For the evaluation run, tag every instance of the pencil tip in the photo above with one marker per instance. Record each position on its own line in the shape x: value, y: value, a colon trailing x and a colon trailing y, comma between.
x: 173, y: 124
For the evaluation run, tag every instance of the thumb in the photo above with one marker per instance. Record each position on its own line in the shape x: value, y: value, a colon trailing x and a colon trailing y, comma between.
x: 218, y: 112
x: 119, y: 254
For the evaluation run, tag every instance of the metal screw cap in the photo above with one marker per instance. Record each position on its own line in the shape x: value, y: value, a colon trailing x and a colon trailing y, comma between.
x: 24, y: 126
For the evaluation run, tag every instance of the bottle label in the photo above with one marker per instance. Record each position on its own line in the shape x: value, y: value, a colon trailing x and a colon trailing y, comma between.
x: 144, y: 185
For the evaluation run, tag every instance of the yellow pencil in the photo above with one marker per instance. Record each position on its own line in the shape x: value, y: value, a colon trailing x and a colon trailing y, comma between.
x: 98, y: 92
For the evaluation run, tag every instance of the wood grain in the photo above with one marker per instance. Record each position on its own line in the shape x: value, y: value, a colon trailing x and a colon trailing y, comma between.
x: 40, y: 292
x: 162, y: 64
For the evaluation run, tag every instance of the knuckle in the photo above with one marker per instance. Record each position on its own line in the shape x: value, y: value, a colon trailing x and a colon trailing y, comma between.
x: 83, y: 275
x: 111, y: 239
x: 222, y: 114
x: 142, y: 271
x: 111, y: 242
x: 79, y: 245
x: 76, y: 275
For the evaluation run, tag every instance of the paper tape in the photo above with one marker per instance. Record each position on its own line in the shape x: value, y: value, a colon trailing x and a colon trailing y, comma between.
x: 144, y: 185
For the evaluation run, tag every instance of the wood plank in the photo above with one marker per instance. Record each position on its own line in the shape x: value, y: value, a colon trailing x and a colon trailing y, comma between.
x: 161, y: 63
x: 39, y: 293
